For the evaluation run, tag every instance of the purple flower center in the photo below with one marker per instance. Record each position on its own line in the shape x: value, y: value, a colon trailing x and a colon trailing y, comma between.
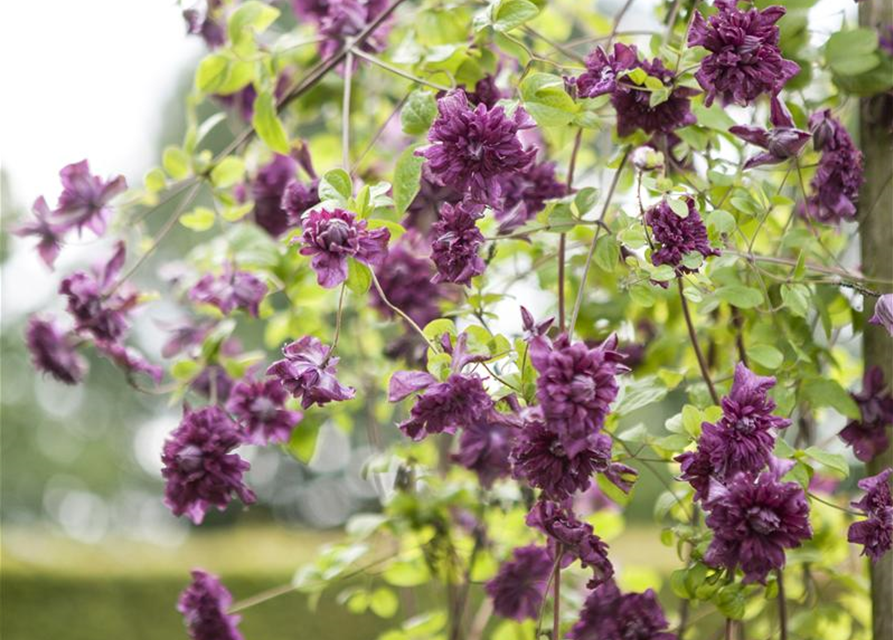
x: 336, y: 235
x: 583, y: 388
x: 762, y: 520
x: 190, y: 458
x: 264, y: 408
x: 746, y: 425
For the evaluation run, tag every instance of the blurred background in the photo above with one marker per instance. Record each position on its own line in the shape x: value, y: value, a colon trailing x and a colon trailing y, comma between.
x: 88, y: 549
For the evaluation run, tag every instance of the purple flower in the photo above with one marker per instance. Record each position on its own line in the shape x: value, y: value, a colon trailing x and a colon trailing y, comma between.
x: 94, y: 302
x: 576, y: 539
x: 338, y: 20
x: 85, y: 199
x: 184, y: 336
x: 525, y: 194
x: 441, y: 406
x: 883, y: 313
x: 868, y: 435
x: 876, y: 532
x: 474, y: 150
x: 53, y: 351
x: 607, y: 74
x: 677, y: 236
x: 49, y: 235
x: 485, y: 92
x: 308, y: 372
x: 332, y: 237
x: 455, y: 243
x: 837, y: 180
x: 575, y: 387
x: 199, y: 469
x: 405, y: 276
x: 230, y: 290
x: 130, y: 360
x: 259, y: 408
x: 539, y: 458
x: 609, y: 614
x: 268, y: 190
x: 210, y: 24
x: 214, y: 383
x: 425, y: 207
x: 204, y: 605
x: 298, y: 198
x: 781, y: 142
x: 744, y: 60
x: 485, y: 445
x: 754, y: 519
x: 519, y: 588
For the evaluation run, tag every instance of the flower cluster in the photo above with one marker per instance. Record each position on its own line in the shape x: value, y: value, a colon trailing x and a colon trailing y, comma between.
x: 868, y: 435
x: 204, y: 605
x: 676, y: 236
x: 839, y: 175
x: 609, y: 614
x: 609, y: 74
x: 332, y: 237
x: 84, y: 202
x: 745, y: 60
x: 200, y: 469
x: 875, y: 533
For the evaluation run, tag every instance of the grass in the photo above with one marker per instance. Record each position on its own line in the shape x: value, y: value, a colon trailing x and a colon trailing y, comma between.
x: 54, y: 587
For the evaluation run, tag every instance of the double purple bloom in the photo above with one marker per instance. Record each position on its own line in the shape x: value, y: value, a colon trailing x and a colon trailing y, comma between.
x: 259, y: 408
x: 868, y: 434
x: 782, y: 142
x: 838, y: 177
x: 204, y: 605
x: 229, y: 291
x: 676, y: 236
x: 455, y: 243
x: 875, y: 533
x: 308, y: 372
x: 609, y: 614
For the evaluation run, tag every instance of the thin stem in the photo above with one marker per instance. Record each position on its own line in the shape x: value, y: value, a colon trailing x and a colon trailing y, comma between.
x: 618, y: 18
x: 562, y: 239
x: 387, y: 66
x: 556, y: 597
x: 338, y: 318
x: 185, y: 202
x: 345, y: 112
x: 694, y: 343
x: 573, y: 55
x: 579, y: 301
x: 399, y: 311
x: 738, y: 323
x: 813, y: 496
x: 782, y: 606
x: 359, y: 161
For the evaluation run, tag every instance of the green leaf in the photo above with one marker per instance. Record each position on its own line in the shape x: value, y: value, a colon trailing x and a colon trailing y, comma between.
x: 185, y: 370
x: 679, y: 207
x: 607, y: 254
x: 419, y: 112
x: 640, y: 393
x: 404, y: 573
x: 359, y: 277
x: 765, y: 355
x: 731, y: 602
x: 740, y: 296
x: 722, y: 221
x: 199, y: 219
x: 155, y: 180
x: 833, y: 461
x: 335, y: 185
x: 176, y: 162
x: 407, y: 179
x: 252, y: 16
x: 384, y: 602
x: 267, y: 124
x: 796, y: 298
x: 822, y: 392
x: 850, y: 53
x: 510, y: 14
x: 713, y: 117
x: 228, y: 172
x: 302, y: 444
x: 211, y: 73
x: 585, y: 200
x: 546, y: 100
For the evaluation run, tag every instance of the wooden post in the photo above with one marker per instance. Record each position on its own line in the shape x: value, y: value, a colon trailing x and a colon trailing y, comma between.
x: 876, y: 219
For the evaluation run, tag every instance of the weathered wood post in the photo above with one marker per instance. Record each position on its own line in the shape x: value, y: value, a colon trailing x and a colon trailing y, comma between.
x: 876, y: 217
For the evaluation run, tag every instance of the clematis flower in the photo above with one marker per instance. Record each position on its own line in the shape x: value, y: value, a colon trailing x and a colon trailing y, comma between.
x: 208, y: 22
x: 607, y: 74
x: 53, y: 351
x: 868, y: 435
x: 259, y: 408
x: 204, y: 605
x: 268, y: 190
x: 485, y: 445
x: 525, y: 194
x: 455, y: 243
x: 676, y: 236
x: 308, y: 372
x: 213, y: 383
x: 338, y: 20
x: 838, y: 177
x: 883, y: 313
x: 298, y: 198
x: 332, y: 237
x: 540, y: 459
x: 96, y: 304
x: 745, y: 60
x: 230, y: 290
x: 519, y: 587
x: 459, y: 401
x: 199, y: 468
x: 782, y: 142
x: 475, y: 150
x: 48, y: 234
x: 875, y: 533
x: 576, y: 540
x: 85, y: 199
x: 575, y: 387
x: 754, y: 520
x: 609, y: 614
